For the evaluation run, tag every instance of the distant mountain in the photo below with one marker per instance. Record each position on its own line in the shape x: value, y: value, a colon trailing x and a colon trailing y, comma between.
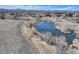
x: 23, y: 10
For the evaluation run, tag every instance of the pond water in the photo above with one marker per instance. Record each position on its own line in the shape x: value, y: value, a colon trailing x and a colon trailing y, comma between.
x: 49, y: 27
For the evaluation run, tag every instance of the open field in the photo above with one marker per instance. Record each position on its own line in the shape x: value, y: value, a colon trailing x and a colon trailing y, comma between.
x: 18, y: 33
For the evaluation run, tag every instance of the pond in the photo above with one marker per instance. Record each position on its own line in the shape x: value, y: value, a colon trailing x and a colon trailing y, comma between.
x: 43, y: 26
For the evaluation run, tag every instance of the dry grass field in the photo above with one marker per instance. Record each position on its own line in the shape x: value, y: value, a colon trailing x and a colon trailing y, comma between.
x: 18, y: 33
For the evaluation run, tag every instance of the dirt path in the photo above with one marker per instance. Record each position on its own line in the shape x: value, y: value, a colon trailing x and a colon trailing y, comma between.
x: 11, y: 40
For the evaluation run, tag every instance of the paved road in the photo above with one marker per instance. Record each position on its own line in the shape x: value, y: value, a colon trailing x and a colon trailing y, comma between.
x: 11, y: 40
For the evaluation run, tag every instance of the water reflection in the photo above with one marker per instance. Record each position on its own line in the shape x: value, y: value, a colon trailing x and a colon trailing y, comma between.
x: 49, y: 27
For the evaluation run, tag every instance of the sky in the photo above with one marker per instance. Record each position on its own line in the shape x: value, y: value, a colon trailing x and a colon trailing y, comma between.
x: 41, y: 7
